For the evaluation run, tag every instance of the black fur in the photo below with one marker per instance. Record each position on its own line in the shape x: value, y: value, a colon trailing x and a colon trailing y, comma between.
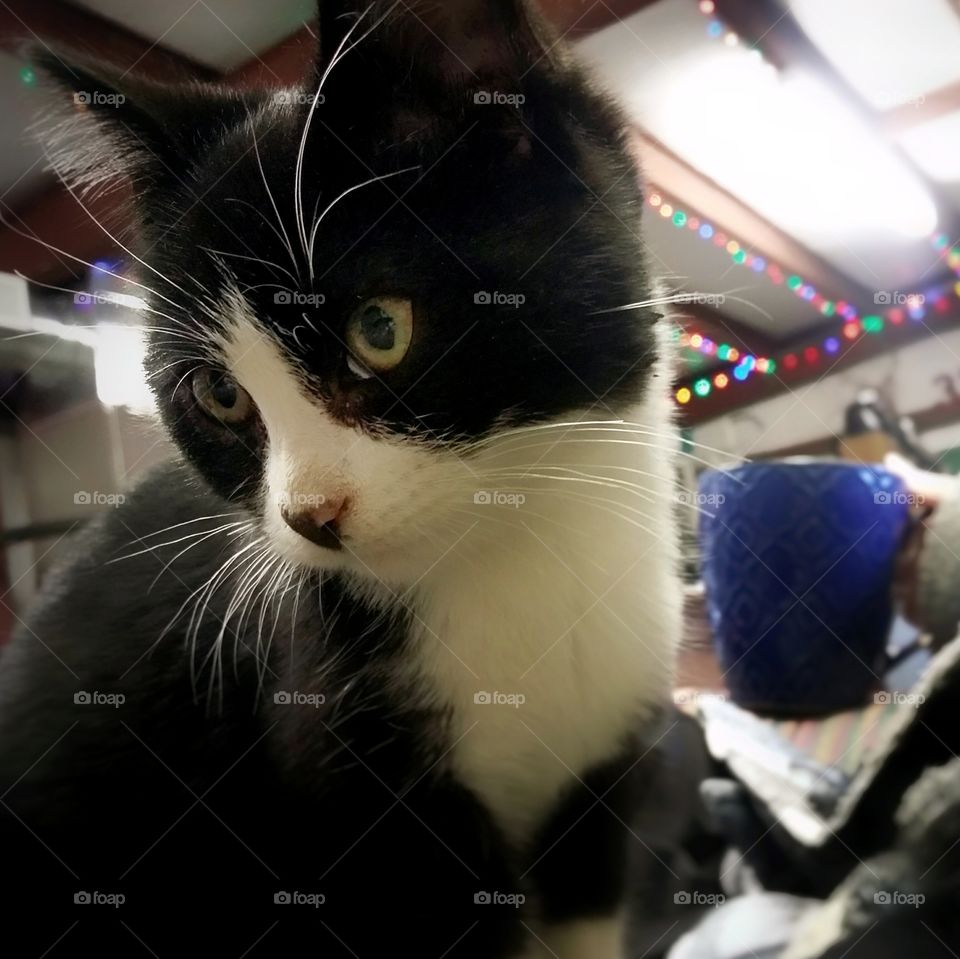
x: 199, y: 804
x: 200, y: 812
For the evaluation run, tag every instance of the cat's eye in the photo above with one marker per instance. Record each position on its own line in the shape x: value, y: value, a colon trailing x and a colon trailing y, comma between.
x: 221, y: 397
x: 379, y: 335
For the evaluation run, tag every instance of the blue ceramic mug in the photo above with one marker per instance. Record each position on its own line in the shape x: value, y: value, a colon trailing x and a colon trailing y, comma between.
x: 797, y: 560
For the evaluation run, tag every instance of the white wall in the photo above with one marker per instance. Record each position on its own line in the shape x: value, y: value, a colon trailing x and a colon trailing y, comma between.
x: 906, y: 377
x: 87, y: 449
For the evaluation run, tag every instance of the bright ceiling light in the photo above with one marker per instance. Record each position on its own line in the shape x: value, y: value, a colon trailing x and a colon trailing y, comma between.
x: 118, y: 361
x: 790, y: 148
x: 935, y: 147
x: 893, y: 52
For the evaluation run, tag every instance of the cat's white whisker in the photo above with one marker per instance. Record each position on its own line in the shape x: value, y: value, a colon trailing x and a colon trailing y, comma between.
x: 285, y: 239
x: 330, y: 206
x: 588, y: 479
x: 619, y: 425
x: 205, y: 597
x: 198, y: 596
x: 569, y: 441
x: 77, y: 259
x: 169, y: 366
x: 236, y: 529
x: 185, y: 376
x: 252, y: 259
x: 175, y: 542
x: 185, y: 331
x: 273, y: 594
x: 66, y: 184
x: 664, y: 300
x: 298, y: 169
x: 260, y: 213
x: 188, y: 522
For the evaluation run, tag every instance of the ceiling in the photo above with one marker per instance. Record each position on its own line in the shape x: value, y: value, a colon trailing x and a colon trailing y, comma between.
x: 784, y: 142
x: 830, y: 155
x: 221, y: 34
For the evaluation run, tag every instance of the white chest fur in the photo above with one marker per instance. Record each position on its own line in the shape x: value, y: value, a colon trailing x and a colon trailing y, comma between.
x: 546, y: 627
x: 547, y: 649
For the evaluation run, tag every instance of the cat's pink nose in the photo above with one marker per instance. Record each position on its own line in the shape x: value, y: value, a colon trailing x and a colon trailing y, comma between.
x: 320, y: 524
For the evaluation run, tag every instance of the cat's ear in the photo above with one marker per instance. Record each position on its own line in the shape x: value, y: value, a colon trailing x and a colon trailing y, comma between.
x: 458, y: 41
x: 98, y: 124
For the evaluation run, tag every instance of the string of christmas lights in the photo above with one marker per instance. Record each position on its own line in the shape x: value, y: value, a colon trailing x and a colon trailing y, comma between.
x: 949, y: 252
x: 915, y: 308
x: 742, y: 257
x: 897, y: 308
x: 891, y: 309
x: 716, y: 28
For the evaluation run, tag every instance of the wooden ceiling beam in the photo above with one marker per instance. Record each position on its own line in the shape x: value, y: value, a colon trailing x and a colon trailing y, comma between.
x: 865, y: 347
x: 931, y: 106
x: 42, y: 22
x: 721, y: 328
x: 674, y: 175
x: 54, y: 216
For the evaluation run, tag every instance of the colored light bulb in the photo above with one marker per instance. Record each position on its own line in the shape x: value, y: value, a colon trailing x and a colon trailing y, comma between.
x: 706, y: 231
x: 831, y: 344
x: 679, y: 218
x: 720, y: 381
x: 872, y: 324
x: 683, y: 395
x: 702, y: 387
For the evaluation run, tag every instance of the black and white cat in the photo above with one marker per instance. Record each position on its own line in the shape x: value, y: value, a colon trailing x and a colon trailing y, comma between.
x: 379, y: 665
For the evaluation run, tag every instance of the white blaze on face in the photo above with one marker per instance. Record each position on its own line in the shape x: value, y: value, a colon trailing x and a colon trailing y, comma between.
x: 311, y: 459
